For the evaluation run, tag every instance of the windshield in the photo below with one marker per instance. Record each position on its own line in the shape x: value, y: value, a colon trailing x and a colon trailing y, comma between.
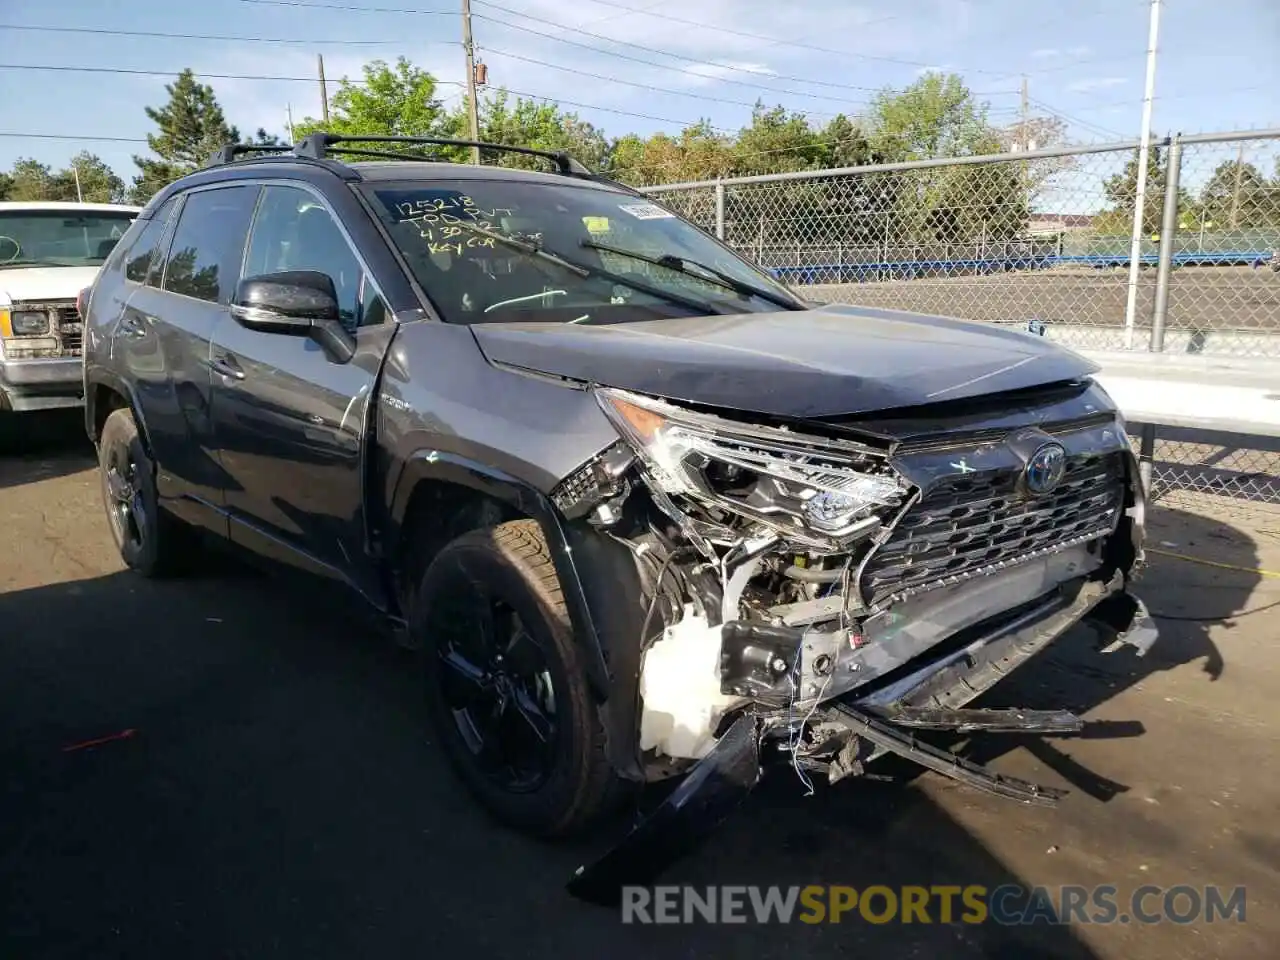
x: 491, y: 251
x: 60, y: 238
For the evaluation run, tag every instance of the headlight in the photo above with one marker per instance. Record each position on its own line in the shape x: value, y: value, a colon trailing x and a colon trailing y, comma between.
x: 819, y: 491
x: 27, y: 323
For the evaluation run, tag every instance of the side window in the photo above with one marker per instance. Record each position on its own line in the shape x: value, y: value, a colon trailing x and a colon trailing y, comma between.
x: 294, y: 231
x: 144, y: 253
x: 204, y: 257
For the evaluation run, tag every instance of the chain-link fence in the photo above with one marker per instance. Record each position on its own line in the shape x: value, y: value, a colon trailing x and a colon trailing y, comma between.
x: 1044, y: 235
x: 1046, y: 239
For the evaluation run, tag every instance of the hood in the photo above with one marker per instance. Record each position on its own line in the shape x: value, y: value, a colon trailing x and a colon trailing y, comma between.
x: 831, y: 362
x: 18, y: 284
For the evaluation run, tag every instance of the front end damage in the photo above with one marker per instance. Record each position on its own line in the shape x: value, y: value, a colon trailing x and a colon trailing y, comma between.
x: 815, y: 592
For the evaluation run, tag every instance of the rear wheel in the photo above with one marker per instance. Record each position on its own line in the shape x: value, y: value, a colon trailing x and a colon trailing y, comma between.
x: 150, y: 541
x: 505, y: 684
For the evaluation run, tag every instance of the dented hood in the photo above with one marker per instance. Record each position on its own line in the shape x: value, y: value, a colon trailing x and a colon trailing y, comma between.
x: 830, y: 362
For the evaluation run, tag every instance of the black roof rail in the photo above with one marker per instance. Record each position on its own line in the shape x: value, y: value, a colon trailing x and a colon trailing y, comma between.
x: 229, y: 152
x: 317, y: 146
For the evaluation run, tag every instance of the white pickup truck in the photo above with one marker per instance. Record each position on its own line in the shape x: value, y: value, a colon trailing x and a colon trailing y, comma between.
x: 49, y: 252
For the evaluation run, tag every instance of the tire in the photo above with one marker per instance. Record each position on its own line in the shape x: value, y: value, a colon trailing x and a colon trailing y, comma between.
x: 493, y: 593
x: 150, y: 541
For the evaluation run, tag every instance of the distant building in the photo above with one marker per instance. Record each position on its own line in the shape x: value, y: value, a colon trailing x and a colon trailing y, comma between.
x: 1055, y: 223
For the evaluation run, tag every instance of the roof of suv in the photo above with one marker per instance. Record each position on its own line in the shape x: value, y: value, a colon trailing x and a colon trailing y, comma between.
x: 375, y: 170
x: 66, y: 205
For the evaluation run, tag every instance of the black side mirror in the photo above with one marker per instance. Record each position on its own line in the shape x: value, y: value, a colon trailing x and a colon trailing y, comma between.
x: 300, y: 303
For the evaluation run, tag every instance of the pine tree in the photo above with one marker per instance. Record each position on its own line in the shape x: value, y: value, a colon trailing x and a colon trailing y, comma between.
x: 192, y: 127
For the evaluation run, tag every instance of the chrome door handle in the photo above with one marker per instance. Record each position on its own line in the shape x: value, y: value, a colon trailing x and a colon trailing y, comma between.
x: 226, y: 367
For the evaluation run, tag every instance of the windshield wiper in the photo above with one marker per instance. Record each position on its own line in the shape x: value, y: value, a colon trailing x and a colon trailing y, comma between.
x: 702, y: 271
x: 531, y: 248
x: 534, y: 248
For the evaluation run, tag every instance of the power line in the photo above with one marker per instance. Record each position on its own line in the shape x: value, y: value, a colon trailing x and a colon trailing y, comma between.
x: 596, y: 36
x: 651, y: 87
x: 155, y: 34
x: 198, y: 74
x: 1076, y: 120
x: 743, y: 33
x: 71, y: 136
x: 600, y: 50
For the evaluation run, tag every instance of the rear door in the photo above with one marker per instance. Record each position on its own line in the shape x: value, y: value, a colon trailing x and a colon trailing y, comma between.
x: 289, y: 421
x: 184, y: 285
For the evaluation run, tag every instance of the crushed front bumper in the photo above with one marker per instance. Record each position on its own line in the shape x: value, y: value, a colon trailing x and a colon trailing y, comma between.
x: 929, y: 695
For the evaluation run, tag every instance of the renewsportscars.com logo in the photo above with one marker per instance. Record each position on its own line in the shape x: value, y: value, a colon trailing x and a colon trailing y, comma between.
x: 1010, y: 904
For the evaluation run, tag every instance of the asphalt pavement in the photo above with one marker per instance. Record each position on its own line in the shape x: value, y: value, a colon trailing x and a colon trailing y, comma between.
x: 228, y: 767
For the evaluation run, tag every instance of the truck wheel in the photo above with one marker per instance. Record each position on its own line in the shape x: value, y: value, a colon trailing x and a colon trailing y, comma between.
x: 150, y: 541
x: 506, y: 687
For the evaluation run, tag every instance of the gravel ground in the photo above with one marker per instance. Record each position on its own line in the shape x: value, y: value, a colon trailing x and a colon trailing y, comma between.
x: 279, y: 796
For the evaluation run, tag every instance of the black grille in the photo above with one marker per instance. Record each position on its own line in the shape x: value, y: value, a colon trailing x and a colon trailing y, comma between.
x: 966, y: 524
x: 70, y: 330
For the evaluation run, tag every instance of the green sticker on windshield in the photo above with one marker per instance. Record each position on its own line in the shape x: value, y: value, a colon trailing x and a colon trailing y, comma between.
x: 645, y: 211
x: 596, y: 224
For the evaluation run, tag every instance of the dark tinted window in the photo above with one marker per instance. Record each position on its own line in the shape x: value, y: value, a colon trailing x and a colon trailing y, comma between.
x: 294, y: 231
x: 145, y: 253
x: 204, y: 258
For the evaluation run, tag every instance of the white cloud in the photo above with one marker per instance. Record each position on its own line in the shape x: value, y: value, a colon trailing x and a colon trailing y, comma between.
x: 1045, y: 53
x: 1096, y: 83
x: 1080, y: 51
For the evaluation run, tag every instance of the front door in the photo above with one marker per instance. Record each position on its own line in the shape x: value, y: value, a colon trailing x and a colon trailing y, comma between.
x: 289, y: 421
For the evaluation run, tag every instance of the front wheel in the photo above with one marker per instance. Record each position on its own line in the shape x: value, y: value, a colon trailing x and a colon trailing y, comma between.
x: 506, y: 685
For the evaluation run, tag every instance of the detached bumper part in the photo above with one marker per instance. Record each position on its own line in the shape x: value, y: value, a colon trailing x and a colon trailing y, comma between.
x: 705, y: 797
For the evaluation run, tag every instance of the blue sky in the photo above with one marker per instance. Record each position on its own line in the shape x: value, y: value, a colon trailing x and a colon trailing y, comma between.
x: 1084, y: 59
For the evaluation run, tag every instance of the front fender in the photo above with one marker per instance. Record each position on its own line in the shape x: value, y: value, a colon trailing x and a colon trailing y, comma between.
x: 598, y: 579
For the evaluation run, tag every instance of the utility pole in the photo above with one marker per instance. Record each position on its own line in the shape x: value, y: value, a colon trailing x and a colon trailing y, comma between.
x: 75, y: 170
x: 473, y: 114
x: 324, y: 93
x: 1140, y: 193
x: 1024, y: 135
x: 1235, y: 193
x: 288, y: 108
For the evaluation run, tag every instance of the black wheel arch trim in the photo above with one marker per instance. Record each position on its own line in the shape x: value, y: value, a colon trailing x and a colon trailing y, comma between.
x: 611, y: 672
x: 99, y: 377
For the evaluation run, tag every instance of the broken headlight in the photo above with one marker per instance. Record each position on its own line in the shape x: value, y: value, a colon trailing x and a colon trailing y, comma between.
x: 813, y: 490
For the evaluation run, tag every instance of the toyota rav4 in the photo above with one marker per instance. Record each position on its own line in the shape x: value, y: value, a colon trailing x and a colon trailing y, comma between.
x: 644, y: 513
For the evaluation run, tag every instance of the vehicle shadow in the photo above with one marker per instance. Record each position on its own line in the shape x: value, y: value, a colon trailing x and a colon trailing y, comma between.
x: 42, y: 446
x: 227, y: 767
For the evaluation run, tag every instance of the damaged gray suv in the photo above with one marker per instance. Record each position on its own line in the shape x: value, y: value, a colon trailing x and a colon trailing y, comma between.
x: 644, y: 513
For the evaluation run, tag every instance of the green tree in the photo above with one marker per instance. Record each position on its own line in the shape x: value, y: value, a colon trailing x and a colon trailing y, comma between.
x: 543, y: 126
x: 1121, y: 190
x: 777, y: 141
x: 98, y: 182
x: 937, y: 116
x: 697, y: 153
x: 1237, y: 196
x: 844, y: 143
x: 6, y: 184
x: 191, y: 127
x: 30, y: 180
x: 393, y: 100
